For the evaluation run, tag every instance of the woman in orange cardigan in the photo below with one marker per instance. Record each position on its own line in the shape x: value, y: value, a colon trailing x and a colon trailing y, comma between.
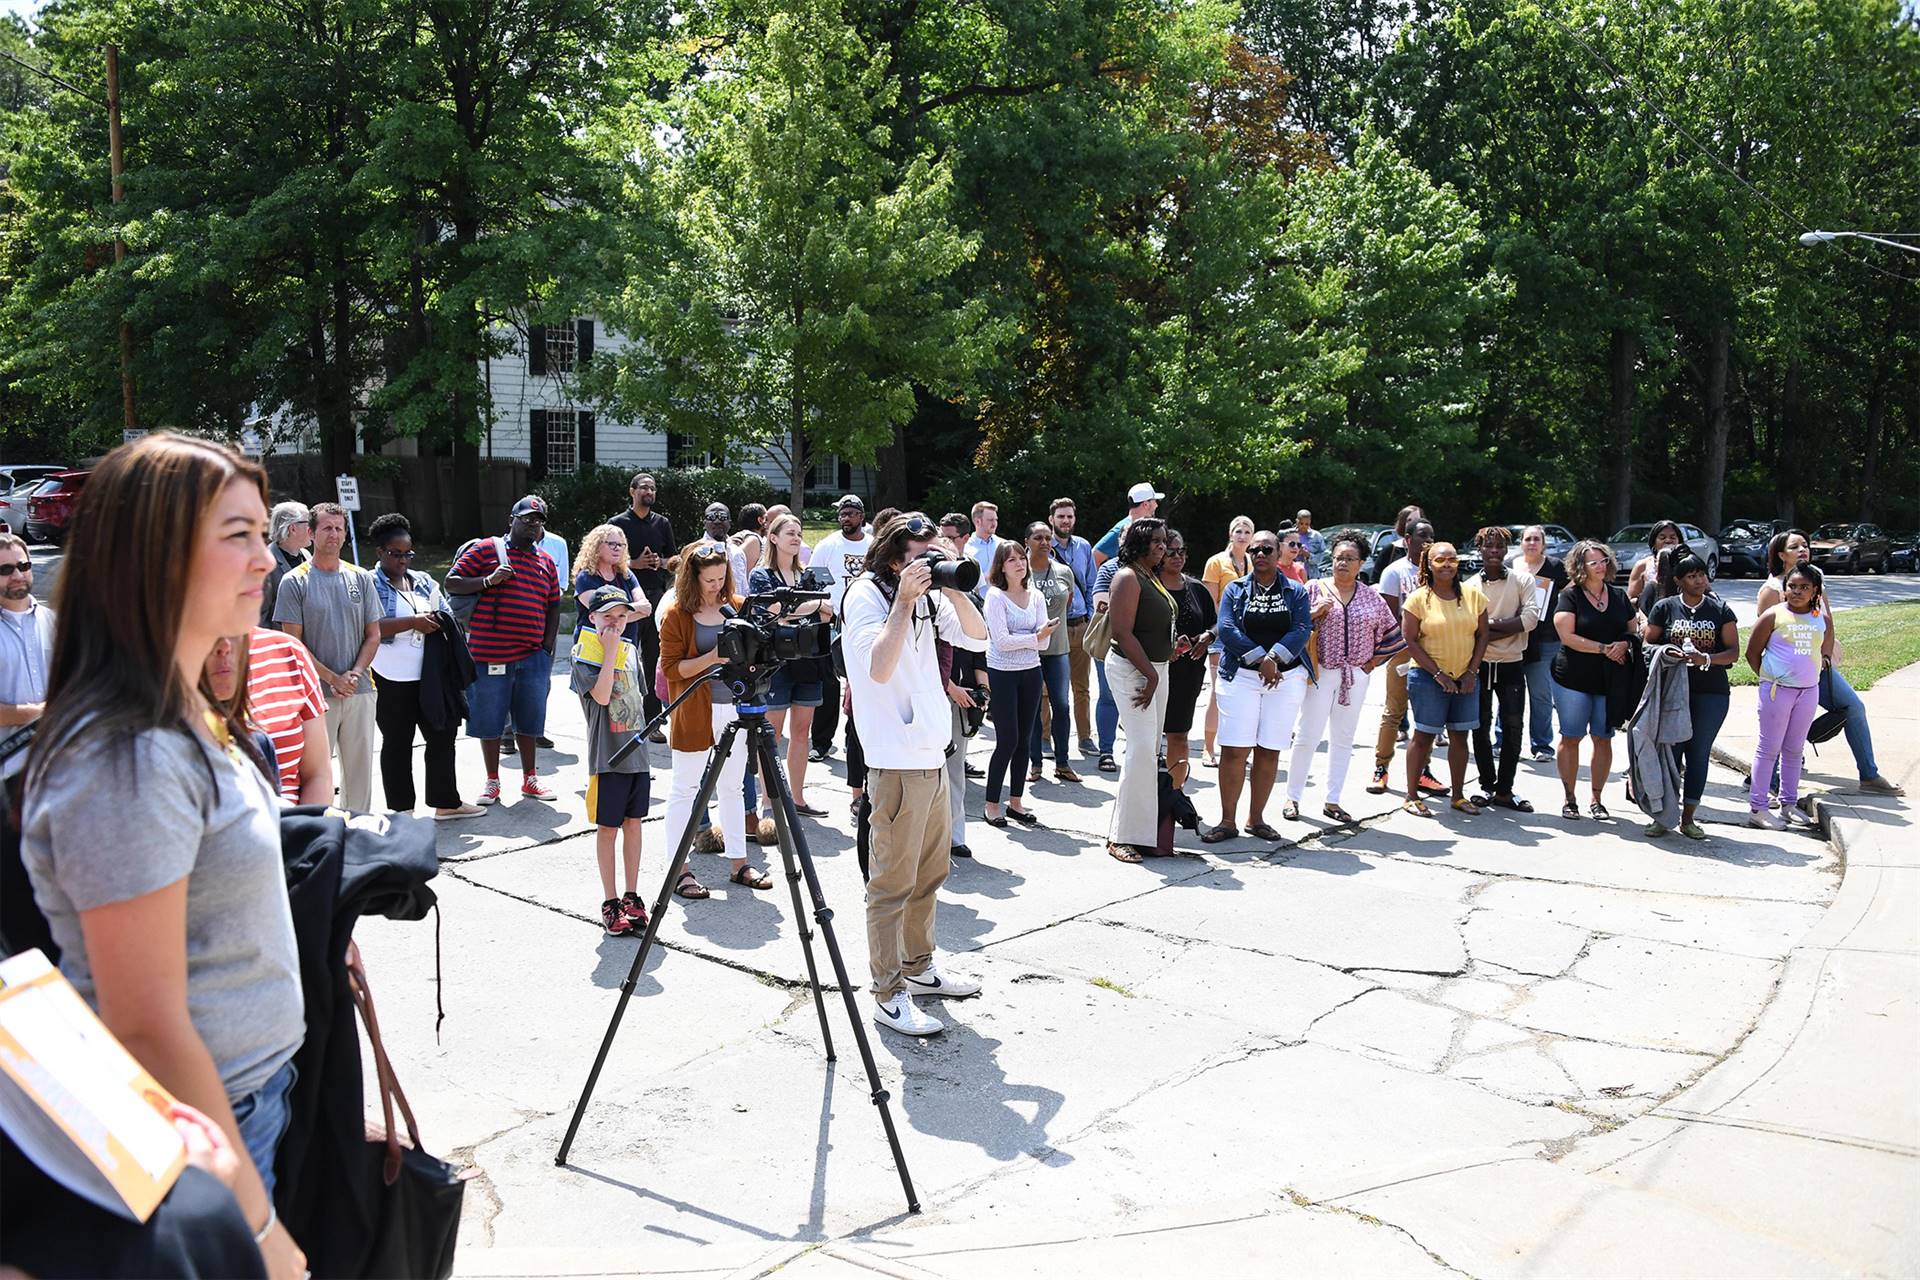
x: 689, y: 634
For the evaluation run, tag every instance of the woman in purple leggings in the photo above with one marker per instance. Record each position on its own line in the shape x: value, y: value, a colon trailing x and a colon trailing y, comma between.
x: 1791, y: 643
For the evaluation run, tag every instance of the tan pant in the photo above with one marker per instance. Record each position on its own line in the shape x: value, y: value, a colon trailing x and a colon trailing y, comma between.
x: 1080, y: 673
x: 350, y: 725
x: 1390, y: 718
x: 908, y: 863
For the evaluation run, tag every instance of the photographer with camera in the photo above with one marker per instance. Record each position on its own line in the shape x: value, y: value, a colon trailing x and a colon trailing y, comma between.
x: 893, y: 617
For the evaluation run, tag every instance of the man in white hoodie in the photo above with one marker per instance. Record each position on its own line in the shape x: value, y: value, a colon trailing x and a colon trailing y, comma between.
x: 891, y: 624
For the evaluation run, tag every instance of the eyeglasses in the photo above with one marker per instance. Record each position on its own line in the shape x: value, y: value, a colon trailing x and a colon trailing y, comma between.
x: 1349, y: 558
x: 613, y: 542
x: 1263, y: 550
x: 8, y: 570
x: 398, y: 555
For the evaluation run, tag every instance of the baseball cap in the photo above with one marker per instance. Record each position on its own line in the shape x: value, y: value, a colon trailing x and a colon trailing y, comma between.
x: 1143, y: 491
x: 608, y: 597
x: 531, y: 505
x: 849, y: 500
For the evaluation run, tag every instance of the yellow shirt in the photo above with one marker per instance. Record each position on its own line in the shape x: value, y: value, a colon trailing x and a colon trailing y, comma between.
x: 1447, y: 626
x: 1219, y: 571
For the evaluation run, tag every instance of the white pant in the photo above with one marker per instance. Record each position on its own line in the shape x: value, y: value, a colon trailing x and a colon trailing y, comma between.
x: 729, y: 792
x: 1321, y: 709
x: 1252, y: 715
x: 1136, y: 803
x: 350, y: 737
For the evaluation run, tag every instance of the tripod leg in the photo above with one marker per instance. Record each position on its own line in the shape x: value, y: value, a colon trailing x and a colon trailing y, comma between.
x: 764, y: 747
x: 682, y: 846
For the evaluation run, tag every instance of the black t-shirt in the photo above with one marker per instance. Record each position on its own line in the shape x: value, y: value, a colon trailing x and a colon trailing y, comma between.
x: 652, y: 532
x: 1551, y: 571
x: 1587, y: 672
x: 1268, y: 617
x: 1701, y: 624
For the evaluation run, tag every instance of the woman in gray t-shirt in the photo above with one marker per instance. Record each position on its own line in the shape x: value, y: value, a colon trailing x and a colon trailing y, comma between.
x: 150, y: 834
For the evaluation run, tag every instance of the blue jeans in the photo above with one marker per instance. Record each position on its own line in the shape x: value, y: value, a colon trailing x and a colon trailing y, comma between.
x: 1695, y: 755
x: 1539, y: 677
x: 1837, y: 695
x: 1055, y: 671
x: 1106, y: 712
x: 262, y: 1119
x: 1582, y: 715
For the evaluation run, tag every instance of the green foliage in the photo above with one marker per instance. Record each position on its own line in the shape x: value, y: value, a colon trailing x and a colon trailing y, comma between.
x: 592, y: 495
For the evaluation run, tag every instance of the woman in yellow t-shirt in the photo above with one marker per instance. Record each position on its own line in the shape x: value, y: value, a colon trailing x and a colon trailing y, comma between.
x: 1218, y: 572
x: 1445, y: 621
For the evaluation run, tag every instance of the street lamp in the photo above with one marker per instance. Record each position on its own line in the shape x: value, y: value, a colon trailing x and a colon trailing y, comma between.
x: 1812, y: 238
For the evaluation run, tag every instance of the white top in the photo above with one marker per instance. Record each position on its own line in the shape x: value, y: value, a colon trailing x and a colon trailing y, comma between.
x: 1013, y: 633
x: 401, y: 659
x: 841, y: 559
x: 907, y: 722
x: 1399, y: 578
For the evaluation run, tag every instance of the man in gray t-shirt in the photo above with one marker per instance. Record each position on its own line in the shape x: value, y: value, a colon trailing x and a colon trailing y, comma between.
x: 331, y: 606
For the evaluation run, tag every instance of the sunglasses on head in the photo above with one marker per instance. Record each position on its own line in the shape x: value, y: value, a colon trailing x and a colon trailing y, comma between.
x: 919, y: 527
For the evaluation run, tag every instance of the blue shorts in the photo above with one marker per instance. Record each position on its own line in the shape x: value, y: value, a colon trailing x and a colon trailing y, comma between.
x: 782, y: 692
x: 612, y: 798
x: 262, y: 1119
x: 521, y: 689
x: 1582, y: 715
x: 1435, y: 709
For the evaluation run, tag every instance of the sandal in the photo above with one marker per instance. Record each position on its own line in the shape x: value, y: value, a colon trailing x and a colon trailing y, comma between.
x: 1418, y: 808
x: 1338, y: 814
x: 1509, y: 802
x: 1291, y: 813
x: 1481, y: 800
x: 1220, y: 832
x: 691, y: 888
x: 1107, y: 765
x: 1035, y: 775
x: 1261, y: 831
x: 1570, y: 811
x: 1123, y: 852
x: 1598, y: 812
x: 1466, y: 806
x: 752, y: 877
x: 1064, y: 774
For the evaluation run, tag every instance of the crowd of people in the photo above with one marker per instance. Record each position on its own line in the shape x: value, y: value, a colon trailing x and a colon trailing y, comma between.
x: 241, y: 662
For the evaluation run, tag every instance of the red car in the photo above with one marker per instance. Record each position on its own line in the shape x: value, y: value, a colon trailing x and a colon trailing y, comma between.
x: 50, y: 507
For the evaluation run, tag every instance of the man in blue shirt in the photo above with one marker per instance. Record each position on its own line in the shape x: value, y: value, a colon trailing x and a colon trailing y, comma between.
x: 984, y: 544
x: 1143, y: 500
x: 1077, y: 555
x: 1312, y: 541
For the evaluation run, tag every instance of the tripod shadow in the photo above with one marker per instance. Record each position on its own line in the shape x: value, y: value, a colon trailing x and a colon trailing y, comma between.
x: 968, y: 1098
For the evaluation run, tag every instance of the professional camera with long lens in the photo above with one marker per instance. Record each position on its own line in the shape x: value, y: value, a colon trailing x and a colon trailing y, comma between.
x: 952, y: 575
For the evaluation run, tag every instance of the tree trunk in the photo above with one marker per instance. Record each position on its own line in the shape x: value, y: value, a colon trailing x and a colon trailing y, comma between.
x: 797, y: 451
x: 893, y: 472
x: 1713, y: 463
x: 1622, y: 352
x: 1870, y: 465
x: 1786, y: 481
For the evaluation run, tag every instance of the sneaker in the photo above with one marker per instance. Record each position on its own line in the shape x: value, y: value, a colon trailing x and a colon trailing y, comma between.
x: 1766, y: 820
x: 1882, y: 786
x: 816, y: 755
x: 459, y: 811
x: 931, y: 982
x: 634, y: 910
x: 658, y: 735
x: 1542, y: 753
x: 1794, y: 816
x: 1378, y: 786
x: 901, y: 1014
x: 533, y: 789
x: 614, y: 918
x: 490, y: 794
x: 1088, y: 747
x: 1431, y: 785
x: 974, y: 770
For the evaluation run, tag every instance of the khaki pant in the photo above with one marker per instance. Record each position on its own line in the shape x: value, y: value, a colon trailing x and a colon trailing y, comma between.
x: 350, y: 724
x: 1390, y: 718
x: 1080, y: 671
x: 908, y: 863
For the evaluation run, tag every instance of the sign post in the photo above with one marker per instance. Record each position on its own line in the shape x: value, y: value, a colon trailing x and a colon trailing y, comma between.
x: 348, y: 489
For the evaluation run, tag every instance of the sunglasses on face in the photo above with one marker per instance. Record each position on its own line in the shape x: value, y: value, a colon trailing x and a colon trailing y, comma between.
x: 1176, y: 550
x: 1292, y: 544
x: 8, y: 570
x: 398, y: 555
x: 1263, y: 551
x: 1443, y: 559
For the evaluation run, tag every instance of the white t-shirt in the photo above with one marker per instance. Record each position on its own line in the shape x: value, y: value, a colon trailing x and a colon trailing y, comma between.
x: 841, y: 559
x: 400, y: 660
x: 907, y: 722
x: 1399, y: 579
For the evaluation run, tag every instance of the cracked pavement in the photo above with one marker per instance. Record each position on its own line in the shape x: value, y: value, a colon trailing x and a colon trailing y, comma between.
x: 1248, y: 1053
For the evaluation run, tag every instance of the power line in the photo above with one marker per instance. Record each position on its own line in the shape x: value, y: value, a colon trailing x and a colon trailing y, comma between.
x: 48, y: 75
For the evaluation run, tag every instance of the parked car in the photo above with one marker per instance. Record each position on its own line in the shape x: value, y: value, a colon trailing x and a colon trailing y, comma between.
x: 15, y: 474
x: 1851, y: 548
x: 1904, y: 555
x: 1743, y: 547
x: 50, y: 507
x: 13, y: 506
x: 1322, y: 564
x: 1630, y: 546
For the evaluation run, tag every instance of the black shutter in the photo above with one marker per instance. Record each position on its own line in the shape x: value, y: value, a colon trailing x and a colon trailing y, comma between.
x: 537, y: 351
x: 585, y: 438
x: 583, y: 337
x: 537, y: 459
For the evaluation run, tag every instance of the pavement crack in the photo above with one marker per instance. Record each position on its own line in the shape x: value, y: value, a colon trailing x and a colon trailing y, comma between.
x: 1328, y: 1206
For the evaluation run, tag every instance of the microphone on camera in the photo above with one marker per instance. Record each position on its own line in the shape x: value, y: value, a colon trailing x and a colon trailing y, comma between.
x: 726, y: 611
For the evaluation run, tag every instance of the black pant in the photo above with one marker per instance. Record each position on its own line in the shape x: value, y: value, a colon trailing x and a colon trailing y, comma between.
x: 1014, y: 704
x: 650, y: 658
x: 826, y: 716
x: 856, y: 758
x: 397, y: 712
x: 1509, y: 681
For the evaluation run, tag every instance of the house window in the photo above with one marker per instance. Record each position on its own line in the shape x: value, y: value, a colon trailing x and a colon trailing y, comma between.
x: 563, y: 347
x: 685, y: 451
x: 824, y: 473
x: 563, y: 441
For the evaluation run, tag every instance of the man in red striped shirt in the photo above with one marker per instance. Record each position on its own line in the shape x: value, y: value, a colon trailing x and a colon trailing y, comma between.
x: 510, y: 636
x: 285, y: 700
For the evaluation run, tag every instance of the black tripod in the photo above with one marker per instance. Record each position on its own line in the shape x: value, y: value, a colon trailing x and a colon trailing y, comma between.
x: 750, y: 690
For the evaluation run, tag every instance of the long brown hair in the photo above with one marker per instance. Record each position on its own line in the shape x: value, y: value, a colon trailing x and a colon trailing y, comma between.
x: 123, y: 588
x: 686, y: 582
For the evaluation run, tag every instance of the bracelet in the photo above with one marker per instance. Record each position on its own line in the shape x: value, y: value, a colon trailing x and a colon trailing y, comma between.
x: 266, y: 1228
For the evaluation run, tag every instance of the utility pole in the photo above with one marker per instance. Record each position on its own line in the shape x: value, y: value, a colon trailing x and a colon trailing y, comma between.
x: 117, y: 157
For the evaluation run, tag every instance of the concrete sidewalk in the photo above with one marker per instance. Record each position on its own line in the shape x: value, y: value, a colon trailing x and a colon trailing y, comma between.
x: 1500, y: 1045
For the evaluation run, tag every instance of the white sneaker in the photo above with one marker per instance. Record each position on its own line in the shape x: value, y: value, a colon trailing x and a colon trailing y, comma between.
x: 1766, y: 820
x: 931, y: 982
x: 1794, y: 816
x: 902, y: 1015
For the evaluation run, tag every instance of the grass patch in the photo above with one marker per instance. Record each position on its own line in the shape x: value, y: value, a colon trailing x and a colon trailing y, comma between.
x: 1874, y: 641
x: 1111, y: 985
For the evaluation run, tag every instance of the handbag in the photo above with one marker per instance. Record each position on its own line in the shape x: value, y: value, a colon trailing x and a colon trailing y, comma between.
x: 1097, y: 640
x: 418, y: 1218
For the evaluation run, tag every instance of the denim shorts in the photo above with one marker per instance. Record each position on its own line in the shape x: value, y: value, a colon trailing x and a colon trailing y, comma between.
x: 782, y: 692
x: 1435, y: 709
x: 261, y: 1117
x: 1582, y: 715
x: 521, y: 689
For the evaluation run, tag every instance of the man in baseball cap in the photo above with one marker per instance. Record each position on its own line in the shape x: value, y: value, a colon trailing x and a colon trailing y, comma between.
x: 1143, y: 500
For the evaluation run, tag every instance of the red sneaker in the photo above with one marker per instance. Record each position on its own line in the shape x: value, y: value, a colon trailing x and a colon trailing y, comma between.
x: 634, y: 910
x: 614, y: 918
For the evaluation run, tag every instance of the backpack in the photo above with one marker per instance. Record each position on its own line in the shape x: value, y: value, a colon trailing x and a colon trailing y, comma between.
x: 462, y: 606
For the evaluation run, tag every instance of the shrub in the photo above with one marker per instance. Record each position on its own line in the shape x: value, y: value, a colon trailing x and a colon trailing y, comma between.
x: 591, y: 495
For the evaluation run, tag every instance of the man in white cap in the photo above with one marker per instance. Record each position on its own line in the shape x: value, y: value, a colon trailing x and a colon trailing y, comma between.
x: 1143, y: 500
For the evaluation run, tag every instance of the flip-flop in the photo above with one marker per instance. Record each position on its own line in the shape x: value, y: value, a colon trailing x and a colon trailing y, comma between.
x: 1261, y: 831
x: 1466, y: 806
x: 1418, y: 808
x: 1123, y: 852
x: 1221, y: 832
x: 1291, y: 813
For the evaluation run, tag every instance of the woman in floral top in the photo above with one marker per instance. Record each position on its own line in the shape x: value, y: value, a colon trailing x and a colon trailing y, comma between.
x: 1356, y: 632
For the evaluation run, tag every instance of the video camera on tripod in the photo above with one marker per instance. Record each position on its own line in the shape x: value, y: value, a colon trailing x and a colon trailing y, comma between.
x: 763, y: 639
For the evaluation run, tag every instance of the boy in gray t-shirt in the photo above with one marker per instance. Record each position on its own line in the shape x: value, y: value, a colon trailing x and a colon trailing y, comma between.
x: 605, y: 675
